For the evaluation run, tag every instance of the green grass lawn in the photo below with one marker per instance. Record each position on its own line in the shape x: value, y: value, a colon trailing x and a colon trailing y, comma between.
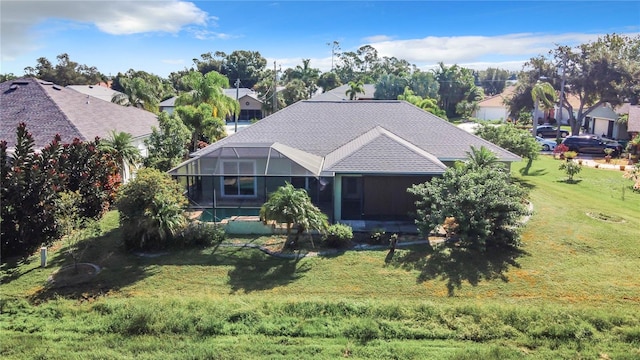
x: 573, y: 292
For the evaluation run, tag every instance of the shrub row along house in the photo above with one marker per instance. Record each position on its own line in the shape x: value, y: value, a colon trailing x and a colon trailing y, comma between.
x: 49, y: 109
x: 355, y: 158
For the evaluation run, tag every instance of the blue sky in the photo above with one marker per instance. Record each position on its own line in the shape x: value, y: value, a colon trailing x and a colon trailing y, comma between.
x: 164, y: 36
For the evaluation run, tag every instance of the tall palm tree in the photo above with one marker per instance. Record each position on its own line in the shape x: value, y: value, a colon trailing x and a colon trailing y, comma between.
x: 543, y: 95
x: 354, y: 89
x: 122, y: 150
x: 308, y: 75
x: 208, y: 89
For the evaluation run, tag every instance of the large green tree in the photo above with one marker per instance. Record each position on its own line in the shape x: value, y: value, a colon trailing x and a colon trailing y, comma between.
x: 605, y: 71
x: 141, y: 89
x: 65, y: 72
x: 328, y: 81
x: 509, y: 137
x: 169, y: 145
x: 243, y: 65
x: 305, y: 73
x: 481, y: 204
x: 455, y: 83
x: 493, y: 80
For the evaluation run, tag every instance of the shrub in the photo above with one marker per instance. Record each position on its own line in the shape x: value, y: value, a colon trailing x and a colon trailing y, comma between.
x: 570, y: 168
x: 338, y: 236
x: 378, y: 235
x: 200, y: 234
x: 151, y: 210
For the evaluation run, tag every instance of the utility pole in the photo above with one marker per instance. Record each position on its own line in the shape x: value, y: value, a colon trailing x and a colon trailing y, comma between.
x: 237, y: 84
x: 562, y: 68
x: 334, y: 46
x: 275, y: 88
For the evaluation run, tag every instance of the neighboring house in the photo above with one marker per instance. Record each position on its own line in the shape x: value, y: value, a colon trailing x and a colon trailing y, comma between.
x: 49, y: 109
x: 340, y: 93
x: 250, y: 104
x: 96, y: 91
x: 355, y: 158
x: 493, y: 107
x: 603, y: 121
x: 633, y: 125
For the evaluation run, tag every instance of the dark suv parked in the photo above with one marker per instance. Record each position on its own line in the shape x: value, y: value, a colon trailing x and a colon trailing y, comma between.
x: 591, y: 144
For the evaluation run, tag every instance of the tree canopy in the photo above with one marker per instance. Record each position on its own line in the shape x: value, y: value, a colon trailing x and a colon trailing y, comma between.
x: 477, y: 199
x: 65, y: 72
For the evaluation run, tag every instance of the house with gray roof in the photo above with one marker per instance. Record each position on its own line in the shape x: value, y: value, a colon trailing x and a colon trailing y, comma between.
x: 356, y: 159
x: 48, y: 109
x: 97, y: 91
x: 250, y: 104
x: 340, y: 93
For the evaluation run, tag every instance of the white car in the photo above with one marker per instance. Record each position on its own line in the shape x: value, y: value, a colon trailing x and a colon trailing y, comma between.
x: 546, y: 145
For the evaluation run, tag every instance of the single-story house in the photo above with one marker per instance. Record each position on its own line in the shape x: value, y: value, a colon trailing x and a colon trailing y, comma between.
x: 603, y: 121
x: 97, y: 91
x: 340, y: 93
x: 49, y: 109
x: 356, y: 159
x: 493, y: 107
x: 250, y: 104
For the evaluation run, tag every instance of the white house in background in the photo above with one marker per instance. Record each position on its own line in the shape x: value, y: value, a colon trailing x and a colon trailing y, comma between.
x: 603, y: 121
x: 493, y: 107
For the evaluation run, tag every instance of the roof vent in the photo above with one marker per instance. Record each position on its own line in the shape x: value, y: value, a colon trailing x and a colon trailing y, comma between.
x: 13, y: 87
x: 46, y: 83
x: 90, y: 86
x: 57, y: 87
x: 20, y: 83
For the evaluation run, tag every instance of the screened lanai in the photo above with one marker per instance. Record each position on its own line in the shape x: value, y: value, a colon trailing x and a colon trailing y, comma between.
x: 237, y: 179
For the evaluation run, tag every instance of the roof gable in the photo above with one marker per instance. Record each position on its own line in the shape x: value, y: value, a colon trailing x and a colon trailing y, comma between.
x: 380, y: 151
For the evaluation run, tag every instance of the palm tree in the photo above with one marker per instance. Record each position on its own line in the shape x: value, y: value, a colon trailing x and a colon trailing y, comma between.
x: 120, y: 146
x: 137, y: 93
x: 543, y: 94
x: 481, y: 158
x: 308, y: 75
x: 293, y: 206
x: 208, y: 89
x: 354, y: 89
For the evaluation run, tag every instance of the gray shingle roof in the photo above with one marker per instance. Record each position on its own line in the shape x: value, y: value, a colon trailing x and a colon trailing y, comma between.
x: 99, y: 92
x: 339, y: 93
x: 49, y: 109
x: 384, y: 136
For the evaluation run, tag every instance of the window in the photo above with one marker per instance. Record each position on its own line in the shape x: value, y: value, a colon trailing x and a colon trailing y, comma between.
x: 240, y: 180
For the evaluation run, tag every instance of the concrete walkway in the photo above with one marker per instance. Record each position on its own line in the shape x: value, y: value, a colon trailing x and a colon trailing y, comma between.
x: 588, y: 161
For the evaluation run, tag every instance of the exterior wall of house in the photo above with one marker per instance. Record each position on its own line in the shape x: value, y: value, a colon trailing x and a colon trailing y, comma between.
x: 609, y: 129
x: 492, y: 113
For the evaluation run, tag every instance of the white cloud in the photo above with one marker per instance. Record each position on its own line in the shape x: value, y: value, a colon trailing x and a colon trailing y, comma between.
x: 18, y: 19
x: 378, y: 38
x: 203, y: 34
x: 476, y: 49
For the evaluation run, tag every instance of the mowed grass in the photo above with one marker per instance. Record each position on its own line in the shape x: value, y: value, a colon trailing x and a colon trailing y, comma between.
x: 574, y: 292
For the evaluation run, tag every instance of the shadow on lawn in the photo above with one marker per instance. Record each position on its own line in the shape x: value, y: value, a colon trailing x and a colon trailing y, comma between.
x: 260, y: 272
x: 456, y: 265
x: 118, y: 269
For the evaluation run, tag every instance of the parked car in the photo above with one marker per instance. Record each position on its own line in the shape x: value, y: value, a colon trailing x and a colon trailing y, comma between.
x: 590, y: 144
x: 547, y: 145
x: 550, y: 131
